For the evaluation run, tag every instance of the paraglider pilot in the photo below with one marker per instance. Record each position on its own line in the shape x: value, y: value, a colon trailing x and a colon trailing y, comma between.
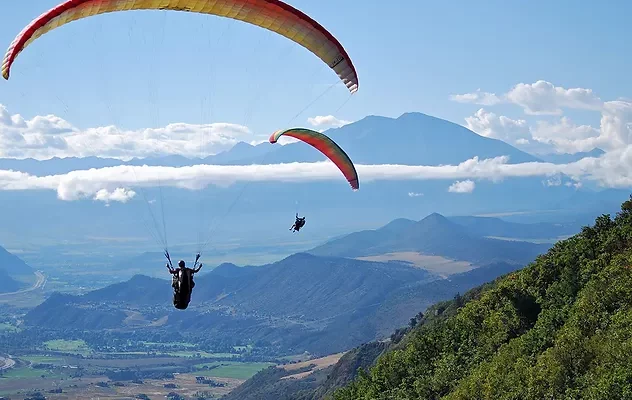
x: 298, y: 224
x: 182, y: 282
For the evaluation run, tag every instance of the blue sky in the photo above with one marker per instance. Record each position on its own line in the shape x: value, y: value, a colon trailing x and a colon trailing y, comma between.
x: 147, y: 69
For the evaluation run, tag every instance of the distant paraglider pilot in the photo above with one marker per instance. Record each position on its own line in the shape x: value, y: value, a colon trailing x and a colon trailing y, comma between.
x: 298, y: 224
x: 183, y: 283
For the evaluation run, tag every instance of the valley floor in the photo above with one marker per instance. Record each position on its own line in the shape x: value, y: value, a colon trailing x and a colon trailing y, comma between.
x: 437, y: 264
x: 63, y: 376
x: 60, y: 376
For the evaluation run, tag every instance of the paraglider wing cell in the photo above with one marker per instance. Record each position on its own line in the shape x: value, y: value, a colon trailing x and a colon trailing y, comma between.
x: 326, y: 146
x: 273, y: 15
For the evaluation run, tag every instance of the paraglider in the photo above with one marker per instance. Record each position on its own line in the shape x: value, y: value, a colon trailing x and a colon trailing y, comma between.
x: 326, y: 146
x: 298, y: 224
x: 273, y: 15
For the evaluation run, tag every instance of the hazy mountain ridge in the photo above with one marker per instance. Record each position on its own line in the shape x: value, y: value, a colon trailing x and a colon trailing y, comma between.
x: 297, y: 299
x: 8, y: 284
x: 497, y: 227
x: 13, y: 270
x: 433, y: 235
x: 319, y: 303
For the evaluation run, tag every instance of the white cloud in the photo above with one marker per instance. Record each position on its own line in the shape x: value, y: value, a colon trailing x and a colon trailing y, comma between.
x: 47, y: 136
x: 462, y: 187
x: 327, y: 120
x: 567, y: 137
x: 576, y: 185
x: 616, y: 124
x: 544, y: 98
x: 561, y: 136
x: 613, y: 169
x: 559, y: 180
x: 614, y: 133
x: 413, y: 194
x: 539, y: 98
x: 554, y: 181
x: 121, y: 195
x: 493, y: 126
x: 564, y: 129
x: 478, y: 97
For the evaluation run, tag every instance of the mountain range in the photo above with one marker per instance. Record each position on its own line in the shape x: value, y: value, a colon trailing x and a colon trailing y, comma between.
x: 249, y: 212
x: 318, y: 303
x: 435, y: 235
x: 555, y: 327
x: 354, y: 244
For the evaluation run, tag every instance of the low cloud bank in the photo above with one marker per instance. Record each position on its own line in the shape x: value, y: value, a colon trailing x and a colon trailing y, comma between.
x: 613, y: 169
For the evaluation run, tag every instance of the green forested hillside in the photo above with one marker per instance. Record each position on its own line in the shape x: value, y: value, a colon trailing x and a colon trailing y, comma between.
x: 561, y: 328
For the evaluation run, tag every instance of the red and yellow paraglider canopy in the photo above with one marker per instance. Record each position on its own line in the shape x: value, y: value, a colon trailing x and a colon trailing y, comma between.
x: 273, y: 15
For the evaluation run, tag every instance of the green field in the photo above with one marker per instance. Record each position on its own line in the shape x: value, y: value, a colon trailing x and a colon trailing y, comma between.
x: 26, y: 372
x: 68, y: 346
x: 232, y: 370
x: 202, y: 354
x: 127, y: 353
x: 180, y: 353
x: 215, y: 364
x: 40, y: 359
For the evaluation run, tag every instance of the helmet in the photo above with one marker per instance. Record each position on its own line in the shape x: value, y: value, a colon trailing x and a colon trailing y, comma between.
x: 181, y: 263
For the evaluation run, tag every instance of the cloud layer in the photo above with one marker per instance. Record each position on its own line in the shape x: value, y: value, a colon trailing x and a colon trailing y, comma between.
x: 117, y: 183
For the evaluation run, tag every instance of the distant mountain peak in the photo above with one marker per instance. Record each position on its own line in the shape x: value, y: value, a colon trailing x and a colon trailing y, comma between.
x: 299, y: 257
x: 140, y: 278
x: 230, y: 270
x: 436, y: 217
x: 242, y: 145
x: 226, y: 265
x: 415, y: 114
x: 439, y: 226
